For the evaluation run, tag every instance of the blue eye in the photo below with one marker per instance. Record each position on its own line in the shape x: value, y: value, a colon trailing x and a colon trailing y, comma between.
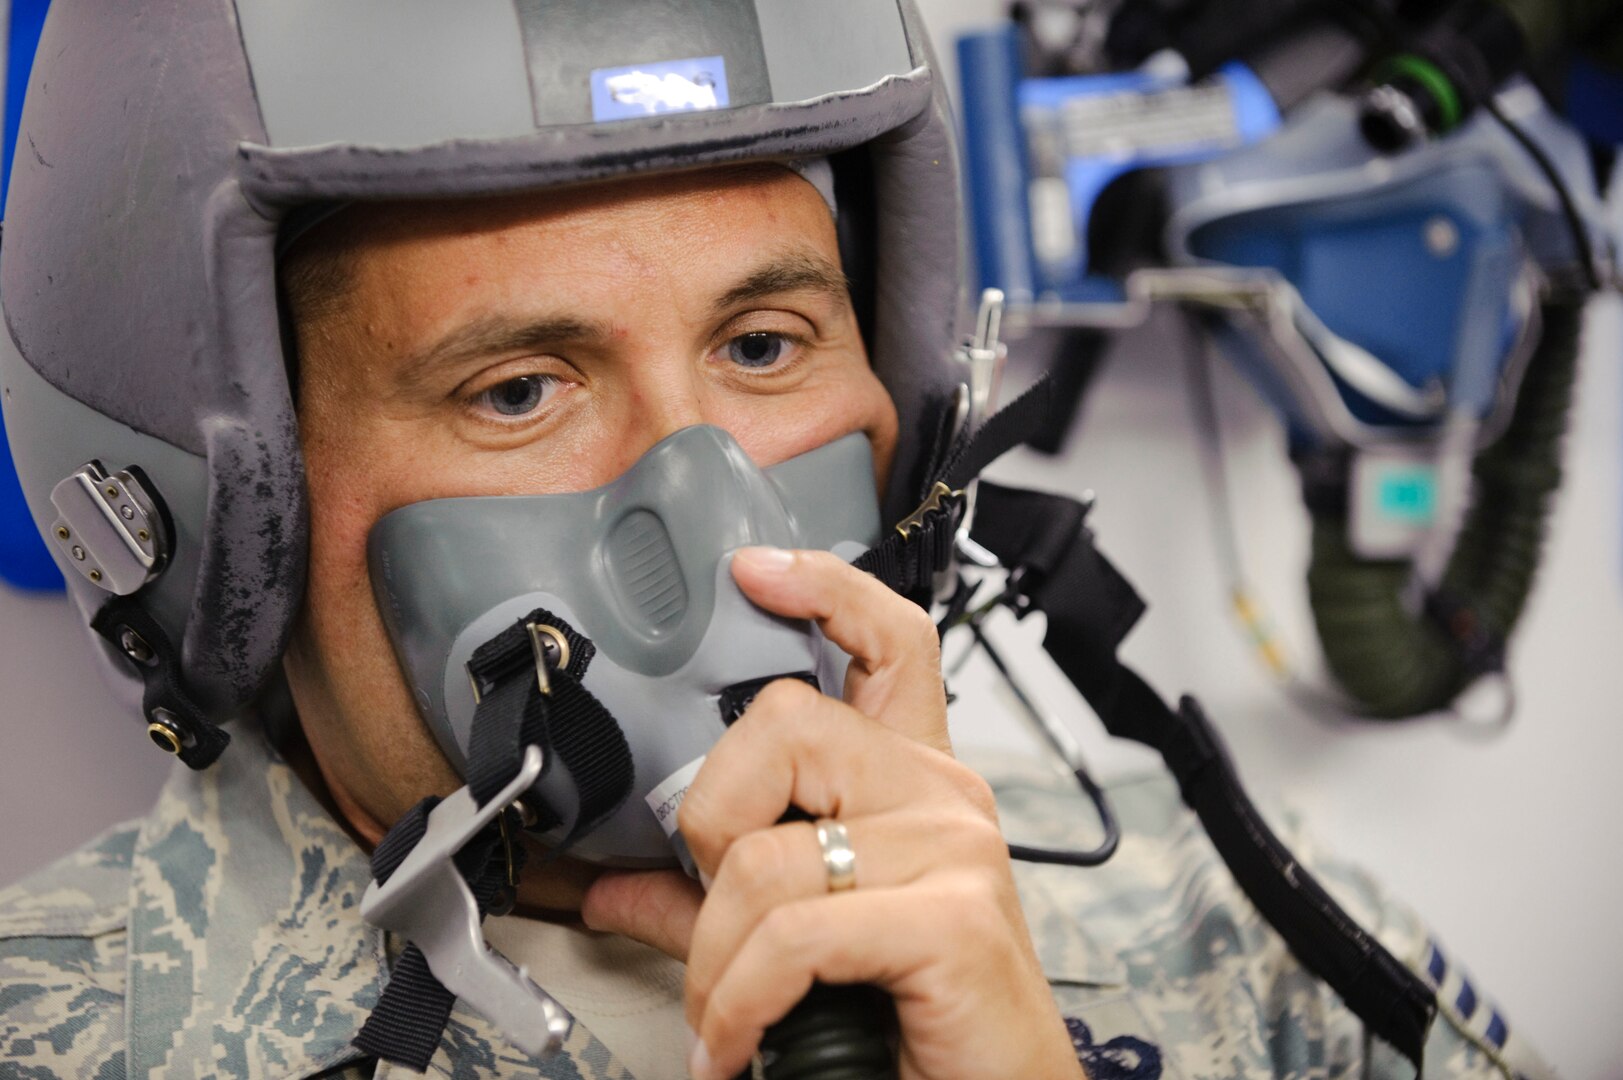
x: 517, y: 397
x: 757, y: 350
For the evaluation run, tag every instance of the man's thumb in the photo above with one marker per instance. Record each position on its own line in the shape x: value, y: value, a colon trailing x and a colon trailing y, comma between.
x: 655, y: 907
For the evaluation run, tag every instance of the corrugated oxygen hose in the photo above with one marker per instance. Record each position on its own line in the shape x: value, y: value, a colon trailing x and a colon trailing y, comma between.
x: 1398, y: 663
x: 835, y: 1033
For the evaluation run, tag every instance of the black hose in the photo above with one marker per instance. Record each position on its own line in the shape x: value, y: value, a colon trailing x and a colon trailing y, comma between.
x: 835, y: 1033
x: 1397, y: 663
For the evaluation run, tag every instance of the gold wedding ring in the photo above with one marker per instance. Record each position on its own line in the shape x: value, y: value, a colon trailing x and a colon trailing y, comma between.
x: 838, y: 858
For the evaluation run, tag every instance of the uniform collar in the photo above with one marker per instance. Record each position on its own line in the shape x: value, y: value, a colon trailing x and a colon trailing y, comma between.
x: 247, y: 953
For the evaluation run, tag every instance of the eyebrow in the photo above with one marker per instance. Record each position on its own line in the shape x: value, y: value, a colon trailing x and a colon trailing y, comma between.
x: 795, y: 272
x: 493, y: 334
x: 490, y: 335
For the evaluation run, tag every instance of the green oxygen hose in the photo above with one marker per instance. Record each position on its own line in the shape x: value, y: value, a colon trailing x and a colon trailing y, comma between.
x: 1397, y: 663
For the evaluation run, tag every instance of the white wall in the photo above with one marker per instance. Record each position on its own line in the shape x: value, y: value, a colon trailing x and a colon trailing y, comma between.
x: 72, y: 762
x: 1509, y: 846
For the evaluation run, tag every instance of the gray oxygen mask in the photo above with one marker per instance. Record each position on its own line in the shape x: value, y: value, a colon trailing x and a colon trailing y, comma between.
x: 641, y: 568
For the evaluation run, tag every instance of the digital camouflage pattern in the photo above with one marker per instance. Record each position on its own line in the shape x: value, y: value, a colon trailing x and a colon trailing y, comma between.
x: 221, y: 937
x: 1176, y: 974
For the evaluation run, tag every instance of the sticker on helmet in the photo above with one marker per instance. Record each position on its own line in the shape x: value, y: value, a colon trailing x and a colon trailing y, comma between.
x: 624, y: 93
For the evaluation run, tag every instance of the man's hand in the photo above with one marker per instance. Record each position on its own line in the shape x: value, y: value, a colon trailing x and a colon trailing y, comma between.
x: 934, y: 918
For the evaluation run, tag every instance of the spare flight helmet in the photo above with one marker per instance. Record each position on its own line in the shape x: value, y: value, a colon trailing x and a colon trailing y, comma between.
x: 164, y: 147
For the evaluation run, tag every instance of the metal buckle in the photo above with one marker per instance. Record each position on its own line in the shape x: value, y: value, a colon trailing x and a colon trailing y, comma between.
x: 985, y: 356
x: 109, y: 529
x: 427, y: 902
x: 540, y: 633
x: 933, y: 502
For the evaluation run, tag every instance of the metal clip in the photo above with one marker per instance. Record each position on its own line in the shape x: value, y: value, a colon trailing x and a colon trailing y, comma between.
x: 939, y: 494
x: 542, y: 638
x: 541, y: 635
x: 109, y: 528
x: 985, y: 356
x: 427, y: 902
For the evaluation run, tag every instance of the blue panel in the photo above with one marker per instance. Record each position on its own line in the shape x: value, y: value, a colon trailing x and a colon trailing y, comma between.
x: 995, y: 161
x: 1497, y: 1032
x: 1594, y: 100
x: 1436, y: 966
x: 1374, y: 283
x: 1256, y: 116
x: 1253, y: 115
x: 1433, y: 314
x: 1466, y: 1002
x: 1016, y: 137
x: 24, y: 560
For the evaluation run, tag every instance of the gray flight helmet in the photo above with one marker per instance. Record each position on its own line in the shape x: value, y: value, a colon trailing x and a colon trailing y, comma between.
x: 164, y: 143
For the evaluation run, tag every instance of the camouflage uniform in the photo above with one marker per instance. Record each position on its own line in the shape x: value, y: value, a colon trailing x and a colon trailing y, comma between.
x: 221, y: 937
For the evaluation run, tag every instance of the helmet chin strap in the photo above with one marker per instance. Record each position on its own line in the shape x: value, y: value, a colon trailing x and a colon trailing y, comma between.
x: 176, y: 723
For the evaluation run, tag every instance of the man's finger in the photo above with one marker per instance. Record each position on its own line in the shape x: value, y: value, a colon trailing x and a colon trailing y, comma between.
x: 796, y: 747
x: 882, y: 937
x: 655, y: 907
x: 784, y: 864
x: 895, y: 674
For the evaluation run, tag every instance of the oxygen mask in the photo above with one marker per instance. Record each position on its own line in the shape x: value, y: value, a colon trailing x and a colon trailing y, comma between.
x: 605, y: 627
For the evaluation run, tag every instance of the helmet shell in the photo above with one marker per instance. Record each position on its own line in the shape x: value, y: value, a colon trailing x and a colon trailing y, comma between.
x: 162, y: 145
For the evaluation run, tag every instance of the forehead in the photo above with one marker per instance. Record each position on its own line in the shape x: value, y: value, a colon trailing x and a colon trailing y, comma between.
x: 672, y: 212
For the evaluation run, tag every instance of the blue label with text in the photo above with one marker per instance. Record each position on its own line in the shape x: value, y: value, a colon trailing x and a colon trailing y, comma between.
x: 667, y: 86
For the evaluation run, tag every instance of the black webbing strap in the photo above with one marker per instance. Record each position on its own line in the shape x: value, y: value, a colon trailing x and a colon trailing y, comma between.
x: 507, y: 719
x: 164, y: 698
x: 399, y: 841
x: 568, y: 722
x: 406, y: 1024
x: 1004, y: 430
x: 1090, y: 608
x: 907, y: 563
x: 511, y: 714
x: 409, y: 1018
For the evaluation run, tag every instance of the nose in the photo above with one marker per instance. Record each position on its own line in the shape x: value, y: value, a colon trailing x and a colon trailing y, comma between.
x: 660, y: 394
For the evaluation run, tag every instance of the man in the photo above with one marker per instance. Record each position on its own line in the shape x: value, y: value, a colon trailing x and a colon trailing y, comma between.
x: 320, y: 325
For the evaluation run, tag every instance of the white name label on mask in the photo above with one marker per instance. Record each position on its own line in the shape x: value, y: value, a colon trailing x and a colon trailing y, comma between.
x: 667, y: 798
